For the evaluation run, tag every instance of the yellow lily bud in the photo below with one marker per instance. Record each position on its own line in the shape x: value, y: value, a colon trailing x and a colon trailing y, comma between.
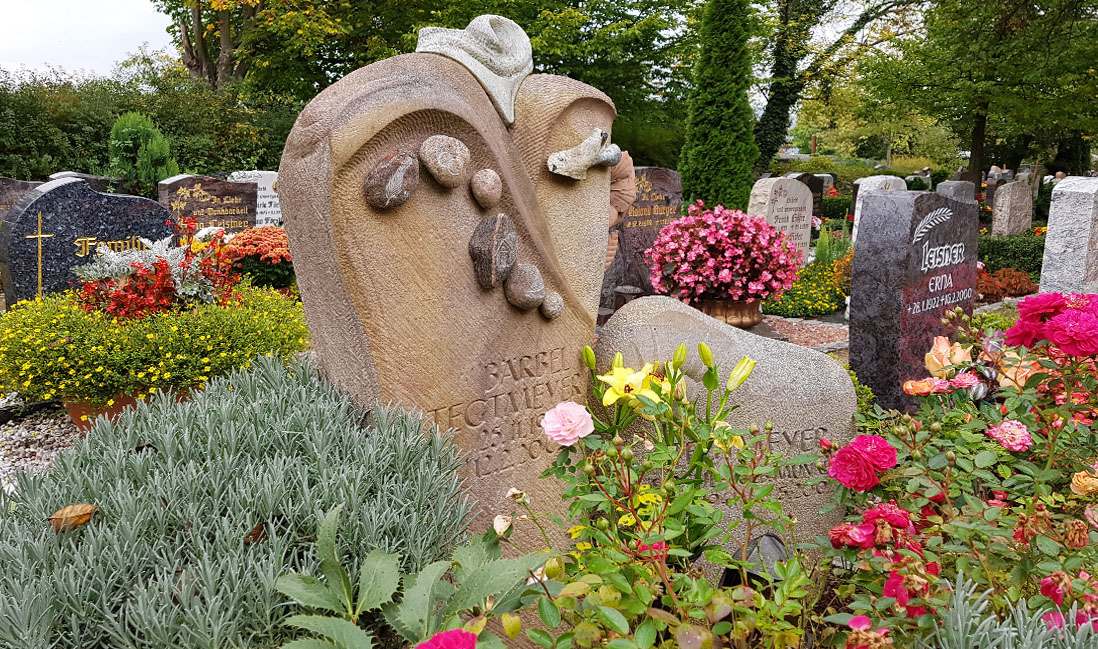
x: 589, y: 357
x: 619, y: 361
x: 740, y: 373
x: 680, y: 355
x: 706, y: 354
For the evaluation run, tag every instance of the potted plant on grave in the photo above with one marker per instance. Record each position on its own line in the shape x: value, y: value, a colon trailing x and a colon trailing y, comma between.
x: 724, y: 262
x: 164, y: 318
x: 263, y: 255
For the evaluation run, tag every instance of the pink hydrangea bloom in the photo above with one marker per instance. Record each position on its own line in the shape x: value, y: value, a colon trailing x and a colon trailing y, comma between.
x: 452, y: 639
x: 567, y: 423
x: 1012, y: 434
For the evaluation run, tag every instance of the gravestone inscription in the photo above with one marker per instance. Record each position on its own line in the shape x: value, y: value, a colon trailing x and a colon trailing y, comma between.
x: 213, y: 203
x: 915, y: 259
x: 1012, y: 211
x: 1070, y: 262
x: 60, y: 224
x: 658, y: 202
x: 786, y: 204
x: 268, y: 211
x: 11, y: 191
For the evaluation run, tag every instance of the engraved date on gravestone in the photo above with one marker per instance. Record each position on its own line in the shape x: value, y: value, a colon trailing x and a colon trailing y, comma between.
x: 505, y: 421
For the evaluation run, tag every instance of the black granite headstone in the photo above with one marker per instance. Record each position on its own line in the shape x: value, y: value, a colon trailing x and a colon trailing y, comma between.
x: 816, y: 184
x: 915, y: 259
x: 658, y: 202
x: 98, y: 183
x: 11, y: 191
x: 59, y: 224
x: 213, y: 203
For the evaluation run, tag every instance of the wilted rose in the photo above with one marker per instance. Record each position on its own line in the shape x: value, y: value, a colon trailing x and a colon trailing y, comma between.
x: 1084, y: 483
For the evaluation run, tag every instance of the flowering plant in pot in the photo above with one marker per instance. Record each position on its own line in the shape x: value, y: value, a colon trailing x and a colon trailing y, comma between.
x: 724, y: 261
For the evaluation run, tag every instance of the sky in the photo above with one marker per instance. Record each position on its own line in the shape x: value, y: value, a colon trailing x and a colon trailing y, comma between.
x: 89, y: 35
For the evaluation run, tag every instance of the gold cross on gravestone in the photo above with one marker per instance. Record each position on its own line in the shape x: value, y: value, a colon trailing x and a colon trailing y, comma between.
x: 39, y: 236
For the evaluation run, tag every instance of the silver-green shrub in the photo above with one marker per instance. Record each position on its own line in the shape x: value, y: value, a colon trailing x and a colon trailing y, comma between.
x: 179, y: 486
x: 966, y: 624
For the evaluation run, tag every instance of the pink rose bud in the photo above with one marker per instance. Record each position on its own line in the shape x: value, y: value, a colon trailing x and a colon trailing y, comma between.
x: 825, y: 444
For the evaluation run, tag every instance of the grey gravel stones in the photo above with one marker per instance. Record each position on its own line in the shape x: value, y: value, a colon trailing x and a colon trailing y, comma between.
x: 446, y: 158
x: 525, y: 287
x: 494, y: 249
x: 553, y: 305
x: 31, y: 444
x: 487, y: 188
x: 393, y: 180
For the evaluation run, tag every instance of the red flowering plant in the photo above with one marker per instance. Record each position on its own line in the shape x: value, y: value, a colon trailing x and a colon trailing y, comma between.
x: 641, y: 464
x: 995, y: 476
x: 263, y: 255
x: 722, y: 254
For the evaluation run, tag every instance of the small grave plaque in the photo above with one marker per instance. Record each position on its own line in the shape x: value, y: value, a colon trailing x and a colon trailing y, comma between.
x: 60, y: 224
x: 268, y: 210
x: 213, y: 203
x: 915, y: 259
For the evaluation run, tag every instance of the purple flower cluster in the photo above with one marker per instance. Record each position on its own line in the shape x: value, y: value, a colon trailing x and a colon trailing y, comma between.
x: 722, y: 254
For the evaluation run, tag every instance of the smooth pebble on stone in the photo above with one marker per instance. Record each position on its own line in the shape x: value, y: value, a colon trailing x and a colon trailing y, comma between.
x: 447, y: 158
x: 494, y: 249
x: 525, y: 288
x: 393, y: 180
x: 487, y: 188
x: 553, y: 305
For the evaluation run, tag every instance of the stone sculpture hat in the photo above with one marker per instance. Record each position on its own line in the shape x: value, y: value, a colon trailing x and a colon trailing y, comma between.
x: 495, y: 49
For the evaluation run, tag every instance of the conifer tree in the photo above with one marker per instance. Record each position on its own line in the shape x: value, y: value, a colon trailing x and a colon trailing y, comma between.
x: 720, y: 152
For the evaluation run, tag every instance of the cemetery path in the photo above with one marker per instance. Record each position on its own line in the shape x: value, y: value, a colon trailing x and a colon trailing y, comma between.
x: 807, y: 333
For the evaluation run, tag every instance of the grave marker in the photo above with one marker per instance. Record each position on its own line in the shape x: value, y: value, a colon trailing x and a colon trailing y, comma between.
x: 862, y: 186
x: 786, y: 204
x: 268, y: 210
x: 104, y: 184
x: 213, y: 203
x: 815, y: 184
x: 958, y: 190
x: 1070, y: 263
x: 915, y: 259
x: 1012, y: 211
x: 60, y: 224
x: 11, y: 191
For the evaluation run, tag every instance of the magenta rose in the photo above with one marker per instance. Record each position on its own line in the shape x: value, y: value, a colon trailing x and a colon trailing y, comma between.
x: 853, y: 536
x: 852, y: 470
x: 1075, y: 332
x: 452, y: 639
x: 881, y: 454
x: 567, y: 423
x: 891, y: 513
x: 1041, y: 307
x: 1025, y: 332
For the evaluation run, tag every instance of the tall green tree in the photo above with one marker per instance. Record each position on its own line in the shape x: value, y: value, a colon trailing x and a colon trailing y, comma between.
x: 720, y: 152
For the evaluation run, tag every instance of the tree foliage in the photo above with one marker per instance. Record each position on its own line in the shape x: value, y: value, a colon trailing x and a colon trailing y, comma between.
x: 139, y: 154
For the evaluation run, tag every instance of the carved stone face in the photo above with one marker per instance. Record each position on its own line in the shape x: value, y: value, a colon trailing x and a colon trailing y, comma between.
x: 395, y: 309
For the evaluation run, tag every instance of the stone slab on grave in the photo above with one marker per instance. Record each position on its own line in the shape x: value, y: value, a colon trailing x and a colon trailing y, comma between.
x: 813, y: 402
x: 60, y: 224
x: 11, y: 190
x: 958, y: 190
x: 416, y: 294
x: 1070, y: 262
x: 658, y: 202
x: 915, y: 259
x: 786, y: 204
x: 213, y: 203
x: 1012, y: 211
x: 267, y: 209
x: 862, y: 186
x: 990, y: 187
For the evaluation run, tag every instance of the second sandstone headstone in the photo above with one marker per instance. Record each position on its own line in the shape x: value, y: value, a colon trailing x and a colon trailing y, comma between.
x: 786, y: 204
x: 1012, y: 212
x: 915, y: 259
x: 1071, y: 244
x: 213, y: 203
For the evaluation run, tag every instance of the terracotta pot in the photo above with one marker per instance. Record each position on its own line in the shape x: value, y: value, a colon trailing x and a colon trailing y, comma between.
x: 742, y: 314
x: 83, y: 414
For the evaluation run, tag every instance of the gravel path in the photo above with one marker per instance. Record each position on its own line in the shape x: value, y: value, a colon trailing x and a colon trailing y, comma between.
x: 31, y: 443
x: 808, y: 333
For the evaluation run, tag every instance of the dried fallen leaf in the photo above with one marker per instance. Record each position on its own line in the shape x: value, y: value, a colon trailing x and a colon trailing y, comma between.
x: 72, y: 516
x: 258, y: 533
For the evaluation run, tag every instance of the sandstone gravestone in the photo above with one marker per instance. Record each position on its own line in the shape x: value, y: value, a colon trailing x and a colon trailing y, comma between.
x: 915, y: 259
x: 863, y: 186
x: 815, y: 184
x: 391, y: 297
x: 657, y: 203
x: 60, y: 224
x: 1012, y: 211
x: 822, y: 404
x: 267, y: 208
x: 11, y: 191
x: 786, y: 204
x: 213, y: 203
x: 958, y: 190
x: 98, y: 183
x: 1071, y: 244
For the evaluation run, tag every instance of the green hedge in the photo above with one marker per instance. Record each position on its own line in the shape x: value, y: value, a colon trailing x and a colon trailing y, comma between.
x: 1022, y: 252
x: 836, y: 208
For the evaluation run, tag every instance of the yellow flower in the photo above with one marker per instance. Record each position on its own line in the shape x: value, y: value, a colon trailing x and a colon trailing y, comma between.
x: 724, y: 438
x: 627, y: 520
x: 575, y: 530
x: 583, y: 546
x: 623, y: 382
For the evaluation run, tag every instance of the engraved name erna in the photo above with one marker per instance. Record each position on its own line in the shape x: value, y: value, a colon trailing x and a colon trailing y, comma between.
x: 942, y: 256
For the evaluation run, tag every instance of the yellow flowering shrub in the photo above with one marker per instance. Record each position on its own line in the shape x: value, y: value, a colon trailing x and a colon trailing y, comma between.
x: 814, y: 293
x: 51, y: 348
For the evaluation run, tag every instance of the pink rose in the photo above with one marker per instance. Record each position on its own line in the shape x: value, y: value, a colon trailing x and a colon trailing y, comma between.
x: 567, y: 423
x: 1041, y: 307
x: 853, y: 536
x: 1052, y: 586
x: 856, y: 466
x: 891, y: 513
x: 1012, y: 434
x: 452, y: 639
x: 881, y: 454
x: 965, y: 380
x: 1075, y: 332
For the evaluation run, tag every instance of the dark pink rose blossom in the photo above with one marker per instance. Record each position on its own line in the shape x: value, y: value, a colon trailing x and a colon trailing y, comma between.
x: 1075, y: 332
x: 852, y: 536
x: 856, y: 466
x: 891, y: 513
x: 452, y: 639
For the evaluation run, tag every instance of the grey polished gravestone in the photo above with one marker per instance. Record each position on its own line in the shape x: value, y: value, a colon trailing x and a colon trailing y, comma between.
x: 958, y: 190
x: 11, y: 191
x: 104, y: 184
x: 871, y: 184
x: 268, y: 210
x: 60, y: 224
x: 211, y: 202
x: 915, y: 259
x: 658, y: 202
x: 1071, y: 244
x: 1012, y: 211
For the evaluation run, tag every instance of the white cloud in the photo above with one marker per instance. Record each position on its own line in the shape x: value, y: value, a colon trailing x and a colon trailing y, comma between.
x: 89, y: 35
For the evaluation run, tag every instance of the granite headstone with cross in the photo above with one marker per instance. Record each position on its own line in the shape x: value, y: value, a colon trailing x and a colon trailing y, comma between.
x: 60, y: 224
x: 915, y: 259
x: 213, y: 203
